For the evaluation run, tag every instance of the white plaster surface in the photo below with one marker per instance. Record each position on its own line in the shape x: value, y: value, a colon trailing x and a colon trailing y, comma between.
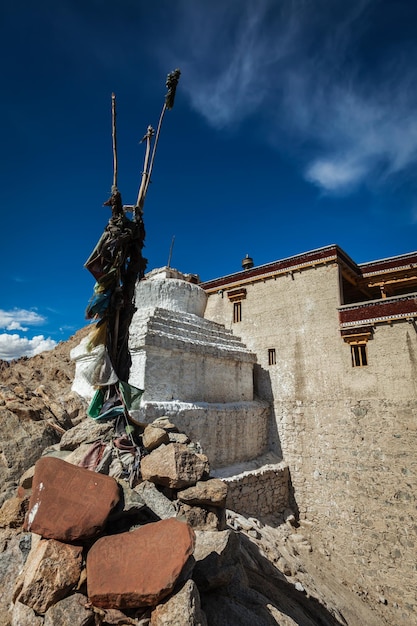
x: 228, y: 433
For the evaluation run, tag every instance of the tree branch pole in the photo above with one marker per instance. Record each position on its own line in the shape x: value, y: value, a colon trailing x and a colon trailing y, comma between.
x: 158, y: 131
x: 114, y: 138
x: 143, y: 185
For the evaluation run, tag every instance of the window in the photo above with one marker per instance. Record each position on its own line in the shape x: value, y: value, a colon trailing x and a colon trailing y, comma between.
x: 358, y: 353
x: 272, y: 356
x: 237, y: 311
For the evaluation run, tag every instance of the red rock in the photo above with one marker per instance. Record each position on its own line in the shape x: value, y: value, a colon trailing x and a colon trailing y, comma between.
x: 69, y: 503
x: 138, y: 568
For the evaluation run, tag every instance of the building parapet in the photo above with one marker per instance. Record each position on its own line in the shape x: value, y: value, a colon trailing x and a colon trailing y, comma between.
x: 328, y: 254
x: 377, y: 311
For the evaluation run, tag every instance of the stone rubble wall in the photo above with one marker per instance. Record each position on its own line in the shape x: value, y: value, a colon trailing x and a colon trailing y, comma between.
x: 260, y: 493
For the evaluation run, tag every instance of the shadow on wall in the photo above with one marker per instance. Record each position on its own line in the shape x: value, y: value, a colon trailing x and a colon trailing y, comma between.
x: 263, y: 389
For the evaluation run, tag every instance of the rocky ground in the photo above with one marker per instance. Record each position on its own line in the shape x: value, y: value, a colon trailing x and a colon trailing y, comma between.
x: 241, y: 572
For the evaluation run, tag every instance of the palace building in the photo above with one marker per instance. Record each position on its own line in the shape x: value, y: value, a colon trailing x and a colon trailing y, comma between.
x: 336, y: 347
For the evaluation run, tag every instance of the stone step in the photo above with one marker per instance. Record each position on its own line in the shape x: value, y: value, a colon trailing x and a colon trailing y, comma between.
x: 178, y: 331
x: 193, y: 324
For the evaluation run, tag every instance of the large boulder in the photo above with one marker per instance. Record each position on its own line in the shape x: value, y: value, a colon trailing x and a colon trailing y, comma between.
x: 69, y: 503
x: 174, y: 465
x: 51, y: 571
x: 138, y: 568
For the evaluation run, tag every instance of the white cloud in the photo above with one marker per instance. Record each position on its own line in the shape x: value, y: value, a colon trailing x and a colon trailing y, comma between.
x: 14, y: 346
x: 300, y: 68
x: 13, y: 319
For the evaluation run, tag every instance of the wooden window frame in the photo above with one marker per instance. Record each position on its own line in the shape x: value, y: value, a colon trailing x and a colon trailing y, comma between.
x: 237, y: 311
x: 359, y: 353
x: 272, y: 356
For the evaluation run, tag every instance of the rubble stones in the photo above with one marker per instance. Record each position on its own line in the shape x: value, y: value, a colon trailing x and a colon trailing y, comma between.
x: 181, y: 609
x: 153, y: 437
x: 51, y: 571
x: 155, y: 500
x: 87, y: 431
x: 71, y: 611
x: 203, y: 518
x: 210, y: 492
x: 23, y: 615
x: 56, y: 510
x: 138, y: 568
x: 12, y: 513
x: 217, y: 557
x: 174, y: 465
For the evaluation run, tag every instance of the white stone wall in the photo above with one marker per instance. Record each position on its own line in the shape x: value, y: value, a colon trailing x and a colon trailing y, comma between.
x: 228, y: 433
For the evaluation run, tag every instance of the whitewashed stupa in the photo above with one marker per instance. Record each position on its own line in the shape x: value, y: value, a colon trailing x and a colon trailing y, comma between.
x: 191, y: 369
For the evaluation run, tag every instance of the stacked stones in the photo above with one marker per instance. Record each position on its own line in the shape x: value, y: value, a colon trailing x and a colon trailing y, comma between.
x: 103, y: 552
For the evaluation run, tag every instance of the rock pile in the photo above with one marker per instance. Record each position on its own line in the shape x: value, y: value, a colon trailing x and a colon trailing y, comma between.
x: 112, y: 544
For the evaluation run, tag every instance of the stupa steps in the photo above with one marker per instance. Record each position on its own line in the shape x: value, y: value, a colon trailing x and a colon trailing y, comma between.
x: 189, y: 329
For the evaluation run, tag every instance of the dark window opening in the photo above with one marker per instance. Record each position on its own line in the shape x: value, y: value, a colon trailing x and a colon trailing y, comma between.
x: 359, y: 356
x: 272, y: 356
x: 237, y: 311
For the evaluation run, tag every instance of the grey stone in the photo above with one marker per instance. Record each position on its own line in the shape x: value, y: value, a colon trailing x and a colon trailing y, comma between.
x: 87, y: 431
x: 23, y: 615
x: 71, y: 611
x: 155, y: 500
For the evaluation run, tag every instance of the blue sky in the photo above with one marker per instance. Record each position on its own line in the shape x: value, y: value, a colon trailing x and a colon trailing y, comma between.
x: 294, y: 127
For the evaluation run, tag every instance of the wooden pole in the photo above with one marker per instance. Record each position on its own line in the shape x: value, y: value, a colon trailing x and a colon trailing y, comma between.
x: 114, y: 138
x: 143, y: 185
x: 158, y: 131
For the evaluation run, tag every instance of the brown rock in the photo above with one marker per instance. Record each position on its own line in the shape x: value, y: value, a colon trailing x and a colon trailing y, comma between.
x: 12, y: 513
x: 69, y: 503
x: 24, y: 410
x: 153, y: 437
x: 174, y: 465
x: 212, y: 492
x: 27, y: 478
x: 138, y: 568
x: 51, y: 571
x: 203, y: 518
x: 178, y: 438
x: 217, y: 558
x: 181, y: 609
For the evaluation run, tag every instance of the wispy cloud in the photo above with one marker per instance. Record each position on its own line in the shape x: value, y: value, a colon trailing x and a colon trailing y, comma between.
x: 14, y: 346
x: 13, y: 319
x: 304, y: 69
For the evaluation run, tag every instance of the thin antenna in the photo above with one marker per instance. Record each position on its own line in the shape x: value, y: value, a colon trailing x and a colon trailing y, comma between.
x: 114, y: 138
x: 170, y: 251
